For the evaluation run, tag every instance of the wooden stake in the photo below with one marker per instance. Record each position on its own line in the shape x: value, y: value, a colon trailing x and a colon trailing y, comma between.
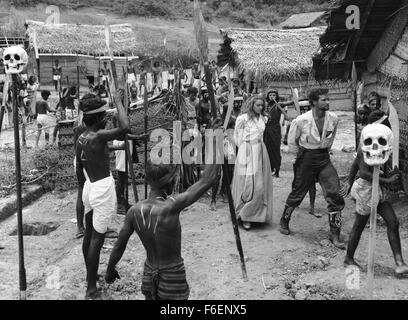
x: 145, y: 105
x: 128, y: 155
x: 22, y: 271
x: 373, y: 225
x: 202, y: 42
x: 354, y: 79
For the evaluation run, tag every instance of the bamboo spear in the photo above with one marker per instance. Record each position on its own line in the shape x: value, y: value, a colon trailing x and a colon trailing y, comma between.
x: 128, y: 156
x: 109, y: 43
x: 202, y: 42
x: 22, y: 271
x: 373, y: 226
x: 145, y: 105
x: 355, y: 83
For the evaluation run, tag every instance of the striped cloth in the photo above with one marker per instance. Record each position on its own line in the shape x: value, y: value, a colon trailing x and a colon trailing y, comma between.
x: 167, y: 283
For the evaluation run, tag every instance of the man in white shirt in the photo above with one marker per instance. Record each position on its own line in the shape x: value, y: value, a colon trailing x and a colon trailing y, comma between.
x: 311, y: 137
x: 120, y: 164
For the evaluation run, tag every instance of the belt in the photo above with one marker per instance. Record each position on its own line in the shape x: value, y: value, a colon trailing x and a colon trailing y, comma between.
x: 317, y: 150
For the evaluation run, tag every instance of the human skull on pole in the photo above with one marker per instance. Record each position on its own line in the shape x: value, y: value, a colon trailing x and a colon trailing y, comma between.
x: 15, y: 59
x: 376, y: 144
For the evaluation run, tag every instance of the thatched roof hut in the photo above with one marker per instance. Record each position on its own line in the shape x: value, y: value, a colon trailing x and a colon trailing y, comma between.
x: 380, y: 49
x: 341, y: 46
x: 304, y: 20
x: 281, y: 59
x: 12, y: 41
x: 278, y: 54
x: 81, y: 39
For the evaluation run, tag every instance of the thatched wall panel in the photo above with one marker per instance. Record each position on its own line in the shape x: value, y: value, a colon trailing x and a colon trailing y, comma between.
x: 389, y: 39
x: 82, y: 39
x: 396, y: 64
x: 276, y: 54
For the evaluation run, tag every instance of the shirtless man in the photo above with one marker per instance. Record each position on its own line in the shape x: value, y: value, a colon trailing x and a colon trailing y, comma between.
x: 361, y: 190
x: 106, y: 76
x: 44, y: 121
x: 99, y: 195
x: 157, y: 223
x: 57, y: 75
x: 142, y: 79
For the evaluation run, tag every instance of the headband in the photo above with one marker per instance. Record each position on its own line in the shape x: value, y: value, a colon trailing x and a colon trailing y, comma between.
x: 101, y: 109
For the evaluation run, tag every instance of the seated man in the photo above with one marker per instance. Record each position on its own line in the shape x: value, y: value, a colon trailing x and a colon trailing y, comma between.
x: 157, y: 223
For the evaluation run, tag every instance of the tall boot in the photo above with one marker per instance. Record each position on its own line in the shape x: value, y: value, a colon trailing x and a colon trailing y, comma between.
x: 284, y: 221
x: 335, y: 228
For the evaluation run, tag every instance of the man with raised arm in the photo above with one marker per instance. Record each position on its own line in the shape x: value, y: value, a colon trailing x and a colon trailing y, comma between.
x: 99, y: 195
x: 156, y: 221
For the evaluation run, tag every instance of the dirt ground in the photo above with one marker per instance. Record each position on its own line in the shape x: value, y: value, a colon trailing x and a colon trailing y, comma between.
x: 301, y: 266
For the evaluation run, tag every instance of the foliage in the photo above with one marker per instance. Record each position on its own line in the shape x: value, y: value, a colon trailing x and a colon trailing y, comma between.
x: 247, y: 12
x: 45, y: 158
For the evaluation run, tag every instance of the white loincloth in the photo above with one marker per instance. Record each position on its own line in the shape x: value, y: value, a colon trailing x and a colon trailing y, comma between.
x: 45, y: 121
x: 100, y: 196
x: 121, y: 155
x: 131, y: 78
x: 56, y: 78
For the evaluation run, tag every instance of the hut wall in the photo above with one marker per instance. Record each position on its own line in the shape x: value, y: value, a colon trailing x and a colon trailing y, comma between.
x: 69, y: 68
x: 341, y: 94
x: 89, y: 67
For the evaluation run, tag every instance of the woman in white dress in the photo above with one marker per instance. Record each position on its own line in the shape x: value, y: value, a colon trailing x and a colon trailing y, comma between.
x: 252, y: 182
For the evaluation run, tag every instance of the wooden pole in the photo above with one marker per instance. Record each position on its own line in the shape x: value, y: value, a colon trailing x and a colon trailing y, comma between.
x: 128, y: 155
x: 373, y: 225
x: 22, y: 271
x: 99, y: 74
x: 37, y: 56
x: 354, y: 79
x: 145, y: 105
x: 78, y: 83
x: 202, y: 42
x: 180, y: 117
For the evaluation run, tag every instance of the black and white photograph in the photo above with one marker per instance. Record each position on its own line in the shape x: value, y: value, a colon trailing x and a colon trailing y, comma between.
x: 219, y: 151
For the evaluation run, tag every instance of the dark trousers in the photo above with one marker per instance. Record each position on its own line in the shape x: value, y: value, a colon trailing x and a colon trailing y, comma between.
x: 120, y: 187
x: 311, y: 165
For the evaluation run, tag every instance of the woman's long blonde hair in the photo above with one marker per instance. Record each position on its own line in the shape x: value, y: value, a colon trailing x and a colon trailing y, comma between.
x: 248, y: 107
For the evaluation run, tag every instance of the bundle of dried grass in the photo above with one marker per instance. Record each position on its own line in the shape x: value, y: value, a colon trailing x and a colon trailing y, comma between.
x: 82, y: 39
x: 277, y: 54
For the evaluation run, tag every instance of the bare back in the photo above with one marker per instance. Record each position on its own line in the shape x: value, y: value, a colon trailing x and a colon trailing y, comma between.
x: 158, y: 227
x: 94, y: 156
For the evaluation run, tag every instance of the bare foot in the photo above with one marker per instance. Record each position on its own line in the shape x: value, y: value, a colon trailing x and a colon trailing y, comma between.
x: 314, y: 213
x: 213, y: 206
x: 401, y: 270
x: 350, y: 262
x: 246, y: 225
x: 92, y: 294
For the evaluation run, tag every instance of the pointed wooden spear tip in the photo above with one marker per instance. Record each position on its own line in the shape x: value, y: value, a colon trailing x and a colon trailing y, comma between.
x: 200, y: 31
x: 354, y: 73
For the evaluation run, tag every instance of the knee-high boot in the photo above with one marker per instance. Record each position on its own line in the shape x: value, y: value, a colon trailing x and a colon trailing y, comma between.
x: 335, y: 228
x: 284, y: 221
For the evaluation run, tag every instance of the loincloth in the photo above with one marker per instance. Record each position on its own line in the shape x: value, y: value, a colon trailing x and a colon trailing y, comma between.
x: 100, y: 197
x: 361, y: 192
x: 167, y: 283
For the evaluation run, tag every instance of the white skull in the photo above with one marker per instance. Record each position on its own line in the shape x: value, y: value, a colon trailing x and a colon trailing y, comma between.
x: 15, y: 59
x: 376, y: 143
